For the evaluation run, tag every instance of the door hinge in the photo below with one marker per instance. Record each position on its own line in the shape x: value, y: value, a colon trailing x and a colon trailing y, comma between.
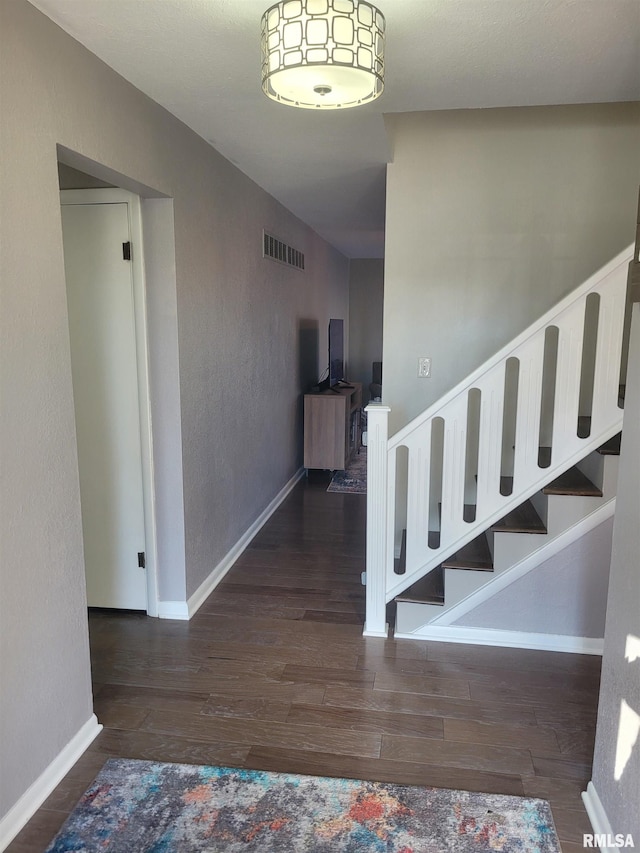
x: 126, y: 251
x: 142, y: 560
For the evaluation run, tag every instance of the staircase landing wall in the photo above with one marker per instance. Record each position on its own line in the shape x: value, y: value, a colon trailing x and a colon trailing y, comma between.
x: 493, y: 216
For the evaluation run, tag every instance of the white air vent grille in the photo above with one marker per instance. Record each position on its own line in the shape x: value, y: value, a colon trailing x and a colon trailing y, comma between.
x: 282, y: 252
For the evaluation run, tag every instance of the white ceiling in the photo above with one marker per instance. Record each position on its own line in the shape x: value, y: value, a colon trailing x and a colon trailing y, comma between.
x: 201, y: 60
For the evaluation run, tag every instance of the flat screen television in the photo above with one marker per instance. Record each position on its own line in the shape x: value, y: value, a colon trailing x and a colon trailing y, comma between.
x: 336, y: 352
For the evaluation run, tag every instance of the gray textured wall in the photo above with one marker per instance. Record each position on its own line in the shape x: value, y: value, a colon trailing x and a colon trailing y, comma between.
x: 247, y: 338
x: 366, y: 297
x: 566, y: 594
x: 492, y: 216
x: 616, y: 763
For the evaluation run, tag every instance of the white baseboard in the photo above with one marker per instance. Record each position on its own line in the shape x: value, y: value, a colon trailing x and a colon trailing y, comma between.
x: 385, y: 633
x: 509, y: 639
x: 36, y: 794
x: 186, y: 609
x: 598, y: 816
x: 207, y: 586
x: 173, y: 610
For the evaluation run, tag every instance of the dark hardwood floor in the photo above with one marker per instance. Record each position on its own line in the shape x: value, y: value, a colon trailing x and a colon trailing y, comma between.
x: 273, y: 673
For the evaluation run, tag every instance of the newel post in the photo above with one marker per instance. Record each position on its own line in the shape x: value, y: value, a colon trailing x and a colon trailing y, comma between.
x: 377, y: 497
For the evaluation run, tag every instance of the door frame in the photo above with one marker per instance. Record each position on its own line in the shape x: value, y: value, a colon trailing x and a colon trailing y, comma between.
x: 134, y: 212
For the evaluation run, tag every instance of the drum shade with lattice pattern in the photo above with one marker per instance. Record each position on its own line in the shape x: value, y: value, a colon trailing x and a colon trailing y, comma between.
x: 323, y: 54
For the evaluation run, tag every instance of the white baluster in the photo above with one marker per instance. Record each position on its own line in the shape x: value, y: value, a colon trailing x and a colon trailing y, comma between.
x: 565, y: 413
x: 525, y: 465
x: 418, y: 499
x: 490, y: 442
x: 377, y: 512
x: 389, y: 559
x: 453, y: 469
x: 608, y: 352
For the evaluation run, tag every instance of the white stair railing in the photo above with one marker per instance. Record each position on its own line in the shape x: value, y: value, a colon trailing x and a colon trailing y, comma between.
x: 584, y: 369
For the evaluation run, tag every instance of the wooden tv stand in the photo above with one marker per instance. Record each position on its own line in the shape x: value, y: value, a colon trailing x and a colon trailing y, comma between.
x: 332, y: 427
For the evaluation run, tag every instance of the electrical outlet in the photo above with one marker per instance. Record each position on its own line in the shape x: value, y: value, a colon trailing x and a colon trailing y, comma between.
x: 424, y: 368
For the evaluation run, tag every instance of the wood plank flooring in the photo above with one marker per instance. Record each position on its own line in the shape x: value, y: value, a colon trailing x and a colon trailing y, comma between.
x: 273, y: 673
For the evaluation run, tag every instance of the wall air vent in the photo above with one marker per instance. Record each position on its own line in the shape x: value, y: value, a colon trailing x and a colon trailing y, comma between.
x: 281, y: 252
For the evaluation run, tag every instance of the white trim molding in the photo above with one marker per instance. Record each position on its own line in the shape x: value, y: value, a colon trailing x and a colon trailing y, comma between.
x: 378, y: 539
x: 173, y: 610
x: 598, y: 816
x: 508, y: 639
x: 384, y: 633
x: 186, y: 609
x: 119, y: 196
x: 29, y: 803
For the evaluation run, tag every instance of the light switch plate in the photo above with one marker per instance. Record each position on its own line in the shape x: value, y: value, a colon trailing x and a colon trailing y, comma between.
x: 424, y: 368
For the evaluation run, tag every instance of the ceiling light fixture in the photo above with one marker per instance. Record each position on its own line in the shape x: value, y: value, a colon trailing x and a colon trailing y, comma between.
x: 323, y: 54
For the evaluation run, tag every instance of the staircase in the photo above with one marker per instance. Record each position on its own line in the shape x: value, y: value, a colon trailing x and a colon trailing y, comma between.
x: 577, y: 501
x: 510, y: 466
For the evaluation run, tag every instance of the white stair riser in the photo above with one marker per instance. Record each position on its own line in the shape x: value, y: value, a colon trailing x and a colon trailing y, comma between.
x: 510, y: 548
x: 610, y: 481
x: 592, y: 466
x: 566, y: 510
x: 602, y: 470
x: 410, y: 616
x: 491, y: 541
x: 459, y: 583
x: 539, y: 501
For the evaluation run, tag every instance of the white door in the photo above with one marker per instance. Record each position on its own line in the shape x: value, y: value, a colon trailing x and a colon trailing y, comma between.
x: 105, y: 389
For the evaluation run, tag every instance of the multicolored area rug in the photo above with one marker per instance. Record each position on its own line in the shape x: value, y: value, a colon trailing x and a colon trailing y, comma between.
x: 147, y: 807
x: 354, y: 479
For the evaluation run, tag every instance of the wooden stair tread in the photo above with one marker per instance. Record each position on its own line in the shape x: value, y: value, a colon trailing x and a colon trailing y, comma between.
x: 475, y: 555
x: 428, y: 590
x: 572, y: 482
x: 523, y: 519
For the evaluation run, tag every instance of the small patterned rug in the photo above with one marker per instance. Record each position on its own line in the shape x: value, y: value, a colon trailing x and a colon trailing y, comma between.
x: 354, y: 479
x: 148, y: 807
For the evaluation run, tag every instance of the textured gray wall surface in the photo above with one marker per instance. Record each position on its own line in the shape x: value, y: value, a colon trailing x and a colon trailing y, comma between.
x: 616, y: 762
x: 566, y: 594
x: 366, y: 297
x: 493, y: 216
x: 248, y: 333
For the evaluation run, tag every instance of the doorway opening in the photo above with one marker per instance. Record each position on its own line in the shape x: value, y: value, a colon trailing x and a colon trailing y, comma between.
x: 103, y: 249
